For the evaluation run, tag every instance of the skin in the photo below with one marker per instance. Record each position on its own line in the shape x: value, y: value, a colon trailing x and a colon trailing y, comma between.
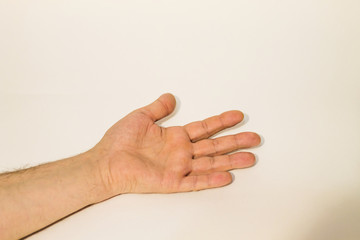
x: 134, y: 156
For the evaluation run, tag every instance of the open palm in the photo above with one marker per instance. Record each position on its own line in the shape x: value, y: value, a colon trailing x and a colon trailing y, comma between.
x: 140, y: 156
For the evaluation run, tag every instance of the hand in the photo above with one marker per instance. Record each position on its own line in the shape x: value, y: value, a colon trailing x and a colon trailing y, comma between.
x: 138, y: 156
x: 134, y: 156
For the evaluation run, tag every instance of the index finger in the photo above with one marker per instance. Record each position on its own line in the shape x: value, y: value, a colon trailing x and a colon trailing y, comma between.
x: 204, y: 129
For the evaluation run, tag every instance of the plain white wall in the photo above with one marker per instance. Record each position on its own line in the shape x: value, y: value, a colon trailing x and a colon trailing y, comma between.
x: 70, y: 69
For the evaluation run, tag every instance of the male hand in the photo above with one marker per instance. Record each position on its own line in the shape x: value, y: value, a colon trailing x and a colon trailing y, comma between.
x: 138, y: 156
x: 134, y: 156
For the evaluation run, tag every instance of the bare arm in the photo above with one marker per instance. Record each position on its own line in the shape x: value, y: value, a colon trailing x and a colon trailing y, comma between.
x: 33, y: 198
x: 134, y: 156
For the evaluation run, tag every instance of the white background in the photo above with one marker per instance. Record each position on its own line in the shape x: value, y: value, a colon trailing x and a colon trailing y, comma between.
x: 70, y: 69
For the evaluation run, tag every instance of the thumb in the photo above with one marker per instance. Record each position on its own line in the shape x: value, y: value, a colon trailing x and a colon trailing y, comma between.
x: 161, y: 107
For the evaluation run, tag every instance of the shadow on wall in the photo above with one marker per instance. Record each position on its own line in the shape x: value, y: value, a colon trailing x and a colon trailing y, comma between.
x: 341, y: 222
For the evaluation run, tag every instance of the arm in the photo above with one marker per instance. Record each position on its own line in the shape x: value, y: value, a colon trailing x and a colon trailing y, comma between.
x: 32, y: 198
x: 134, y: 156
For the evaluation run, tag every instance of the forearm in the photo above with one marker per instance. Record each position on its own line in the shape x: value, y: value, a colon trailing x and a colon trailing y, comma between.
x: 134, y: 156
x: 36, y: 197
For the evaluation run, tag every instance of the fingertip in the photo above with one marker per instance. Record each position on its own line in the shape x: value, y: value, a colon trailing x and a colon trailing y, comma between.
x: 257, y: 139
x: 169, y: 96
x: 240, y: 114
x: 220, y: 179
x: 169, y: 100
x: 232, y: 117
x: 252, y: 159
x: 254, y: 138
x: 237, y: 114
x: 243, y: 159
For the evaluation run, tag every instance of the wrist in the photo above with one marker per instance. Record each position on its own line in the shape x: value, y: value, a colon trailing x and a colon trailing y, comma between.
x: 97, y: 175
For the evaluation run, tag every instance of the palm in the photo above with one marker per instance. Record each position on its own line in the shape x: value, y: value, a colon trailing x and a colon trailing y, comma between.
x: 144, y: 157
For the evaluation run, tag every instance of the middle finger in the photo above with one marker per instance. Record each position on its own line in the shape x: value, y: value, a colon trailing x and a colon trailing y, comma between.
x: 222, y: 145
